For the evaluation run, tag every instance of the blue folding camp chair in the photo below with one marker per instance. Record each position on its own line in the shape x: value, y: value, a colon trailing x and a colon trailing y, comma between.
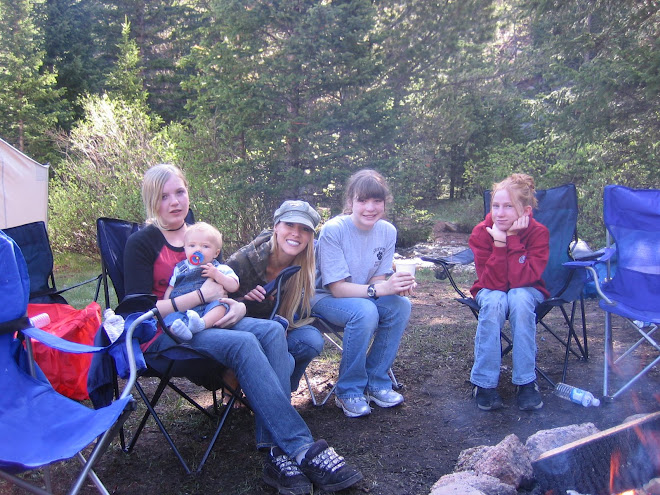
x: 557, y: 210
x: 38, y: 426
x: 632, y: 219
x: 32, y: 239
x: 67, y: 373
x: 177, y: 361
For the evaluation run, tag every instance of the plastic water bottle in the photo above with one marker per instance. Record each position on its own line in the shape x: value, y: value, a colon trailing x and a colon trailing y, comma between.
x: 40, y: 320
x: 576, y: 395
x: 113, y: 324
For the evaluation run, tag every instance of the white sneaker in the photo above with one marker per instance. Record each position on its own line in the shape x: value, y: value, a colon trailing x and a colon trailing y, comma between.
x: 353, y: 406
x: 385, y: 397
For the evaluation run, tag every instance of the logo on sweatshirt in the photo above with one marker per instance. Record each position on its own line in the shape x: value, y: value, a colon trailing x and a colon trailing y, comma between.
x: 522, y: 259
x: 380, y: 252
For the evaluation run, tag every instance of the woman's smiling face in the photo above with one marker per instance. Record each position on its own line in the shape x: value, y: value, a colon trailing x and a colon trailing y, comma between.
x: 293, y: 238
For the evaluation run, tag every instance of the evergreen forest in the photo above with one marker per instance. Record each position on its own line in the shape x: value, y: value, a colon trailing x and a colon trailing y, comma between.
x: 265, y: 100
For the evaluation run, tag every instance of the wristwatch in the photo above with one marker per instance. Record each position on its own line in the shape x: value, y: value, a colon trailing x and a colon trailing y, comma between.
x: 371, y: 292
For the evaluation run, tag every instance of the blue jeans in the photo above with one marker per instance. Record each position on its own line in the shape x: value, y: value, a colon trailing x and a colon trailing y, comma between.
x: 256, y: 350
x: 495, y: 306
x: 305, y: 343
x: 384, y: 319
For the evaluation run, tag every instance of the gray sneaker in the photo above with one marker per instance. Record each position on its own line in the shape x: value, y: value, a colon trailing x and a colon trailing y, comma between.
x: 385, y: 397
x: 353, y: 406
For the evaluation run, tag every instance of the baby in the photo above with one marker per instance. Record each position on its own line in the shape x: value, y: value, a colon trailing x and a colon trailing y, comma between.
x: 202, y: 245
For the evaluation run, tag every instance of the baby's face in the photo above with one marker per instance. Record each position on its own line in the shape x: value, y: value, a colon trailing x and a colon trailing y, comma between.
x: 200, y: 249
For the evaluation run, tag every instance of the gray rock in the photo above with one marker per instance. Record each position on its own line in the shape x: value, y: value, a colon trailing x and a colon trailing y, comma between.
x: 455, y: 489
x: 489, y: 485
x: 507, y: 461
x: 545, y: 440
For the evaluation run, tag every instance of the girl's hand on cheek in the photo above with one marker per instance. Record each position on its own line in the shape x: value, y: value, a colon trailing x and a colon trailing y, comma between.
x: 496, y: 233
x: 520, y: 224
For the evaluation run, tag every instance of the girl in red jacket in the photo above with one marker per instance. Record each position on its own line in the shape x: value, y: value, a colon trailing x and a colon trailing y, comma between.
x: 510, y: 254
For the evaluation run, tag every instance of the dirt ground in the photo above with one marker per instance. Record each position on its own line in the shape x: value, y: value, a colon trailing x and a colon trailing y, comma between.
x: 401, y: 451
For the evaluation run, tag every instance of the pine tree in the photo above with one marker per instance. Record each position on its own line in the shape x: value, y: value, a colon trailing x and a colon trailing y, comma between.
x: 289, y: 94
x: 29, y: 102
x: 125, y: 80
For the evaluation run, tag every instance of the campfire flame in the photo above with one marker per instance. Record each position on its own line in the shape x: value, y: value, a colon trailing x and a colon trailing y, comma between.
x: 650, y: 441
x: 615, y: 465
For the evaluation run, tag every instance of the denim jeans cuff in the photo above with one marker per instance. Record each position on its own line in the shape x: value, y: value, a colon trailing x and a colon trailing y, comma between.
x: 525, y: 381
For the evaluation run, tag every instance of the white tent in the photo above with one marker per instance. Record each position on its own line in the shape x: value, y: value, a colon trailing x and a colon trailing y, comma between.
x: 23, y: 188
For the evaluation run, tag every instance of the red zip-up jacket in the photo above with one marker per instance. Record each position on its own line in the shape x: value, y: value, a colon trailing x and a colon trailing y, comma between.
x: 518, y: 264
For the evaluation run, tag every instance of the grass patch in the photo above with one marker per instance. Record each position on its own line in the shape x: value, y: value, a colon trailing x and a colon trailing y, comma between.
x: 71, y: 269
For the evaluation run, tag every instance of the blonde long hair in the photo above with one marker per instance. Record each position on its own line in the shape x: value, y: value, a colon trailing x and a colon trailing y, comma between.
x: 300, y: 287
x: 152, y: 187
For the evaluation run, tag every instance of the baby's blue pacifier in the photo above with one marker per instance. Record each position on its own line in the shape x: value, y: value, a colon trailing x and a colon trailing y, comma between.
x: 196, y: 258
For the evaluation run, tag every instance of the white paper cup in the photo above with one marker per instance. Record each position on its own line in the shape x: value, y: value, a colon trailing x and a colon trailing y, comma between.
x: 407, y: 266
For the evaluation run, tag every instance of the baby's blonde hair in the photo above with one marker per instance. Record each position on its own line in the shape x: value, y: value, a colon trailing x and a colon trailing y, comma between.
x: 521, y: 189
x: 207, y: 229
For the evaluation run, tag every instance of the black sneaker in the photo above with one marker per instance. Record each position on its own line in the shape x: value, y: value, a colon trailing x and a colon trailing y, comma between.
x: 283, y: 473
x: 327, y: 469
x: 529, y: 397
x: 487, y: 398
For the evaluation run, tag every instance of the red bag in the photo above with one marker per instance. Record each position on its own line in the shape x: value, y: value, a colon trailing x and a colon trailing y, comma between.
x: 67, y: 372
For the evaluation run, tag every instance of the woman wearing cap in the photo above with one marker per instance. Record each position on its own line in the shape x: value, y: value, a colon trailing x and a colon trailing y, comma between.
x: 290, y: 243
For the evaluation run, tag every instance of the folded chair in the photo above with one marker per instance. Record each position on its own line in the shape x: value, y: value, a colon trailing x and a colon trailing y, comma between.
x: 38, y: 426
x: 177, y: 361
x: 632, y: 219
x: 557, y: 210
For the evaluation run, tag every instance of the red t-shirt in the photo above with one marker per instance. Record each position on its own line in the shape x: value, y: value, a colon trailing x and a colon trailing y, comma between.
x: 148, y: 264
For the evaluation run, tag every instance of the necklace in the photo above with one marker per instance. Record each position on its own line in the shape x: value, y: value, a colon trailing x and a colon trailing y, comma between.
x: 174, y: 230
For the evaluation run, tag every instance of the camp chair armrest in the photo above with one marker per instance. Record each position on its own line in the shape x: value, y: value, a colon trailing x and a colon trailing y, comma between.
x: 604, y: 255
x: 446, y: 263
x: 64, y: 345
x: 589, y: 266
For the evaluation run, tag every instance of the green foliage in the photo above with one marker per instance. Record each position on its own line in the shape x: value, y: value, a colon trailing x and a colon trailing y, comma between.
x: 125, y: 80
x: 274, y: 100
x: 105, y: 158
x: 288, y: 99
x: 29, y: 101
x: 413, y: 226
